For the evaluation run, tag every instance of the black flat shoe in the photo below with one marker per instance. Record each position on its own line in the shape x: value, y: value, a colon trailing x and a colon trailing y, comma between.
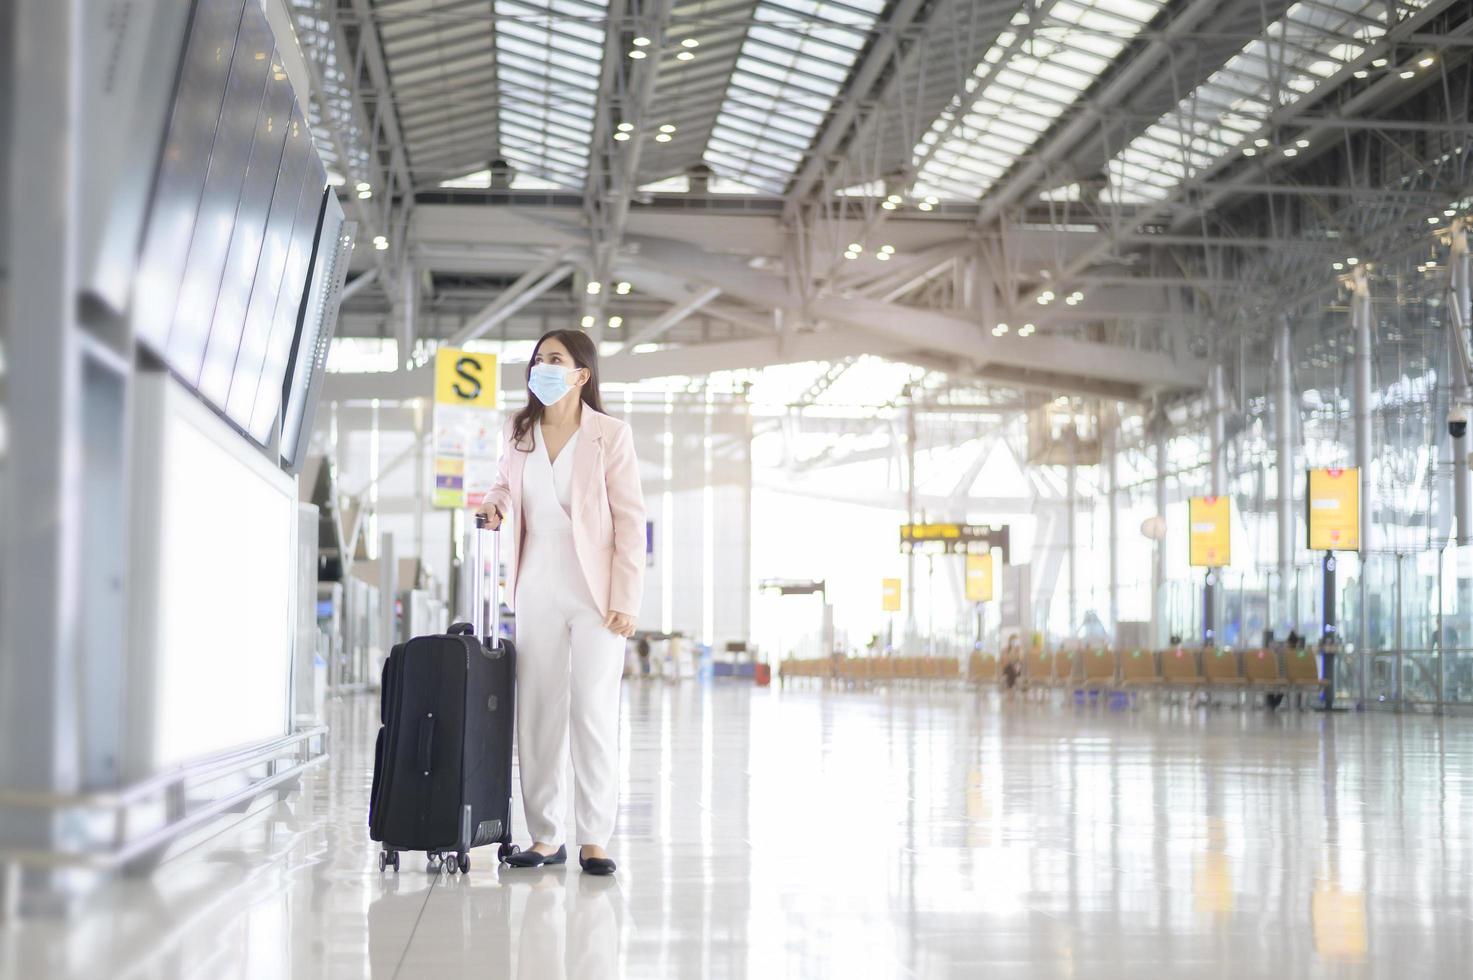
x: 597, y: 866
x: 531, y: 859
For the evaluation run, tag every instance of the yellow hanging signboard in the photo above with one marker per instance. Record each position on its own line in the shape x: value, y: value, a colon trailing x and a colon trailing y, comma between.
x: 890, y: 594
x: 1334, y: 509
x: 465, y: 379
x: 1211, y: 531
x: 979, y: 578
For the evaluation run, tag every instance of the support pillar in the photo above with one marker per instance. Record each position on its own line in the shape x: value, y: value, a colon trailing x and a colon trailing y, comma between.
x: 1160, y: 425
x: 1284, y: 465
x: 1460, y: 393
x: 1070, y: 537
x: 1112, y: 471
x: 1360, y: 315
x: 910, y: 514
x: 1217, y: 396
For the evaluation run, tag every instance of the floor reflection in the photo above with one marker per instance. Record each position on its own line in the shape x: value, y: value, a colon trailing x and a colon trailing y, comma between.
x: 804, y: 833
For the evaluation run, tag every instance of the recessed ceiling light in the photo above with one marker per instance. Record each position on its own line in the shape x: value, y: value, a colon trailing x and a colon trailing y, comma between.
x: 641, y: 42
x: 1248, y: 151
x: 888, y: 249
x: 888, y: 205
x: 594, y: 287
x: 925, y: 206
x: 1379, y: 63
x: 1408, y: 74
x: 636, y: 54
x: 1362, y: 74
x: 1302, y: 144
x: 1352, y: 261
x: 364, y: 185
x: 855, y: 247
x: 690, y: 42
x: 625, y: 127
x: 615, y: 322
x: 662, y: 137
x: 667, y: 128
x: 1260, y: 142
x: 883, y: 256
x: 1426, y: 62
x: 1338, y: 266
x: 622, y: 289
x: 1449, y: 213
x: 894, y: 198
x: 684, y: 56
x: 621, y: 137
x: 587, y: 322
x: 1433, y: 220
x: 851, y: 256
x: 1291, y: 152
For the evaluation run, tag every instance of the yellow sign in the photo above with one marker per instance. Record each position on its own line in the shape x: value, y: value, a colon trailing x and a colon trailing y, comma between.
x: 1211, y: 531
x: 979, y: 578
x: 465, y: 379
x: 930, y: 532
x: 890, y: 594
x: 1334, y: 509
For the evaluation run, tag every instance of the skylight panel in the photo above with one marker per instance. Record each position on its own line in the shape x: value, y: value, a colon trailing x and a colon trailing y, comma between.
x: 548, y: 58
x: 1031, y: 76
x: 790, y: 69
x: 1294, y: 56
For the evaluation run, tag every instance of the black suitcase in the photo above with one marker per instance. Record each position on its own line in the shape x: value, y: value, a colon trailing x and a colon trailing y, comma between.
x: 442, y: 765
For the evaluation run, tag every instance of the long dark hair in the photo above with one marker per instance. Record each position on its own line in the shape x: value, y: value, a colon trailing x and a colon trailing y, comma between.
x: 585, y: 354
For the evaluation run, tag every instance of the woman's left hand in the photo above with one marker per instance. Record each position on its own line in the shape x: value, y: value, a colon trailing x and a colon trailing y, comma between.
x: 619, y: 623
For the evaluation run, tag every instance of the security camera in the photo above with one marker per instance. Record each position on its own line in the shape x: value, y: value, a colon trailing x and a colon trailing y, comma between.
x: 1457, y: 421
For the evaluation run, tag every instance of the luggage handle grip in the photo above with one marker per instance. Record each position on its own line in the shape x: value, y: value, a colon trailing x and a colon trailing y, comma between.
x: 425, y: 753
x: 477, y: 562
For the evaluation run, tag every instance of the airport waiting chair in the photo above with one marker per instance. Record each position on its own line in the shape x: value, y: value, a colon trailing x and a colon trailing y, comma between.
x: 882, y: 669
x: 1038, y: 669
x: 1098, y: 668
x: 982, y: 668
x: 1301, y: 671
x: 1138, y: 669
x: 1261, y: 670
x: 1180, y: 670
x: 1223, y: 669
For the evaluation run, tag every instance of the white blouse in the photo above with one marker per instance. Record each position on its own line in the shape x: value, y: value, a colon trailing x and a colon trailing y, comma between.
x: 547, y: 486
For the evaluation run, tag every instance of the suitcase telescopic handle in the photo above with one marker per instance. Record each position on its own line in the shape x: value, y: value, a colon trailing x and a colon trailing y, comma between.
x: 478, y: 582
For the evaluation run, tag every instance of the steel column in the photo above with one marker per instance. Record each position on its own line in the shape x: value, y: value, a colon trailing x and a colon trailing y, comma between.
x: 1284, y: 467
x: 1461, y: 394
x: 1112, y: 468
x: 1158, y: 566
x: 910, y: 513
x: 1070, y: 542
x: 1361, y: 322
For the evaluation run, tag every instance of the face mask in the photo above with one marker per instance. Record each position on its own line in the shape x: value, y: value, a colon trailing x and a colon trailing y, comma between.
x: 549, y: 382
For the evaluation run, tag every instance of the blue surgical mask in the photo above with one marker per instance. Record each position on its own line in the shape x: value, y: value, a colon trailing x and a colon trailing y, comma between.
x: 549, y: 382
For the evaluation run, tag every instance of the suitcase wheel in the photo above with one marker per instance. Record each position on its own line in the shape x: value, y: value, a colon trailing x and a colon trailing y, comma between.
x: 464, y: 862
x: 506, y: 851
x: 387, y: 858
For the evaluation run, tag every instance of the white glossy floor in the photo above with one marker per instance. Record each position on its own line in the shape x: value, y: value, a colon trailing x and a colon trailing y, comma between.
x: 803, y: 833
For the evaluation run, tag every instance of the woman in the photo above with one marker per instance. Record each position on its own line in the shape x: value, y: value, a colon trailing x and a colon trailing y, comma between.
x: 569, y: 478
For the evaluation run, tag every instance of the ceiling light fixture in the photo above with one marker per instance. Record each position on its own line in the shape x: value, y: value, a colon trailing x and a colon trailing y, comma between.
x: 855, y: 247
x: 615, y: 322
x: 637, y: 54
x: 625, y: 127
x: 587, y: 321
x: 1408, y: 74
x: 684, y: 56
x: 667, y: 128
x: 1426, y: 62
x: 1362, y: 74
x: 641, y: 42
x: 364, y: 195
x: 1260, y: 142
x: 1302, y: 144
x: 888, y: 249
x: 926, y: 206
x: 1434, y: 219
x: 883, y: 256
x: 1379, y: 63
x: 1449, y: 213
x: 888, y: 205
x: 1338, y: 266
x: 662, y: 138
x: 621, y: 137
x: 622, y: 289
x: 1248, y: 151
x: 363, y: 185
x: 595, y: 287
x: 1352, y: 261
x: 1291, y: 152
x: 690, y: 42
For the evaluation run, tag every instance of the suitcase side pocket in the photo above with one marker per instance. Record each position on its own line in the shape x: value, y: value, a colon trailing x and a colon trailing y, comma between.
x: 374, y: 804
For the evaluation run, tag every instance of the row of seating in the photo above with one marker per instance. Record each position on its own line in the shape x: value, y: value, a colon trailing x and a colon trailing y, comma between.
x: 1178, y: 667
x: 1095, y: 668
x: 867, y: 670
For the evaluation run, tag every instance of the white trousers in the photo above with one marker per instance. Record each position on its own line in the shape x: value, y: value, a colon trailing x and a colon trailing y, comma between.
x: 568, y: 673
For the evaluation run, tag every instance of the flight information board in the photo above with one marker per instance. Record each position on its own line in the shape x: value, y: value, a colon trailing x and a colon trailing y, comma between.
x: 1210, y: 537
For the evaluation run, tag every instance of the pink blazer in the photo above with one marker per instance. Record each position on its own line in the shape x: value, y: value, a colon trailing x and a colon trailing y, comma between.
x: 607, y: 510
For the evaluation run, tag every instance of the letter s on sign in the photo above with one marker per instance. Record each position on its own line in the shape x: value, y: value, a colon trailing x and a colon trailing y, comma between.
x: 475, y: 383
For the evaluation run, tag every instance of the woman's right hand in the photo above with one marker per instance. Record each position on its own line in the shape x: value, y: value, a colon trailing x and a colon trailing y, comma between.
x: 491, y: 519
